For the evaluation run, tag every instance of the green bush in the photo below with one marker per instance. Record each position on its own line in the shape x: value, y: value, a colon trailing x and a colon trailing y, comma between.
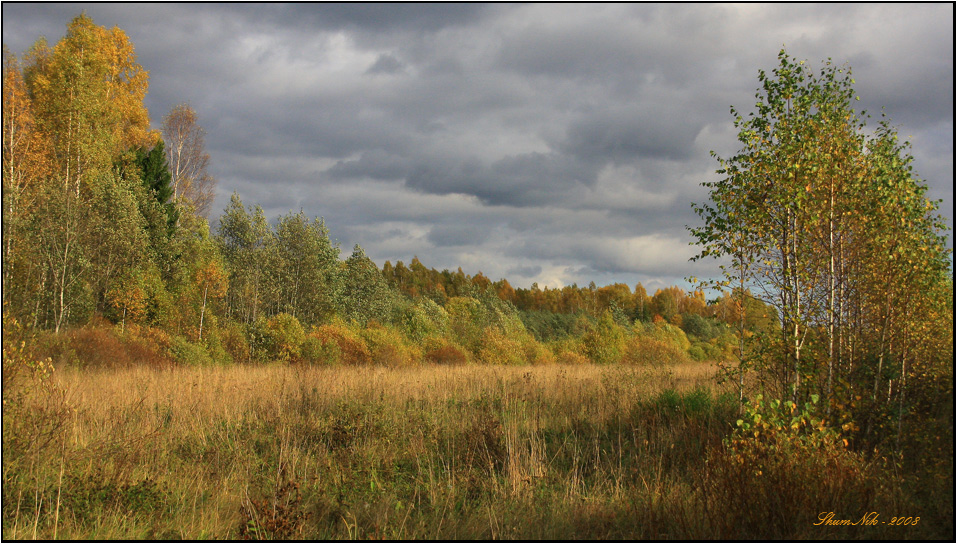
x: 234, y: 341
x: 780, y: 471
x: 605, y: 343
x: 387, y: 347
x: 286, y: 336
x: 497, y: 348
x: 467, y: 319
x: 188, y: 353
x: 315, y: 351
x: 642, y: 350
x: 569, y: 350
x: 534, y: 351
x: 421, y: 320
x: 277, y: 338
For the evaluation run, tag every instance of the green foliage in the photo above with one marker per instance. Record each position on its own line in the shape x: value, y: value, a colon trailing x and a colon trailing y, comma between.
x: 307, y: 269
x: 388, y: 347
x: 155, y: 175
x: 317, y: 352
x: 569, y: 350
x: 277, y: 338
x: 365, y: 294
x: 498, y: 348
x: 421, y: 319
x: 189, y: 353
x: 780, y: 466
x: 702, y: 328
x: 467, y: 321
x: 551, y: 326
x: 606, y: 342
x: 286, y: 336
x: 233, y: 339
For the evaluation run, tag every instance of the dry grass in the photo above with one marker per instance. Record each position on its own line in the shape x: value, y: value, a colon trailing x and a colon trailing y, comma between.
x: 555, y: 452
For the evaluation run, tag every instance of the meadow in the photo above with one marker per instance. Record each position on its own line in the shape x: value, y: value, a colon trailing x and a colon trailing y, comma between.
x: 278, y: 451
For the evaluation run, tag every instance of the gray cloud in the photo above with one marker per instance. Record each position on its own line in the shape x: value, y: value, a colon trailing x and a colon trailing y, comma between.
x: 547, y: 143
x: 386, y: 64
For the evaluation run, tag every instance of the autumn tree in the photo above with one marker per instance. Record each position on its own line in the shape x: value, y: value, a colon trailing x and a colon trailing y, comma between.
x: 188, y: 159
x: 88, y: 96
x: 308, y: 273
x: 364, y: 295
x: 25, y: 164
x: 829, y: 227
x: 248, y: 244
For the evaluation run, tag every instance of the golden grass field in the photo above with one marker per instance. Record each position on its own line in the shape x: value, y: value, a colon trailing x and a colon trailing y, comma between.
x: 556, y: 452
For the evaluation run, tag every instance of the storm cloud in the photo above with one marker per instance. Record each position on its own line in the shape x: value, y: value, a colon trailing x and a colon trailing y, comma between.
x: 543, y: 143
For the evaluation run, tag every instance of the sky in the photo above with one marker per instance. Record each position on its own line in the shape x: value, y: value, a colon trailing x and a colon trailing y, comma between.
x: 555, y: 144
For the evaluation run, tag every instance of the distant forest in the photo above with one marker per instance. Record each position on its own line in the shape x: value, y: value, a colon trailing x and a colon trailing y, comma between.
x: 105, y: 225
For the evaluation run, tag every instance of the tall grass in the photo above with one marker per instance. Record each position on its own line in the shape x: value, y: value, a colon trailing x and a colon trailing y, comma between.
x: 437, y: 452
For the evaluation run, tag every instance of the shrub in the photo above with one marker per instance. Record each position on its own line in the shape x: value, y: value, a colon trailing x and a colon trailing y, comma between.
x: 467, y: 319
x: 105, y: 347
x: 421, y: 320
x: 443, y: 351
x: 315, y: 351
x: 234, y: 342
x: 352, y: 347
x: 276, y: 338
x: 570, y: 350
x: 286, y: 336
x: 188, y: 353
x: 387, y: 347
x: 497, y: 348
x: 606, y: 342
x: 667, y: 333
x: 641, y: 350
x: 534, y: 351
x: 779, y: 471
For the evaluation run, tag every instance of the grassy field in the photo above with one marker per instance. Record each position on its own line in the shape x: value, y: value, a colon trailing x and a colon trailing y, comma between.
x: 555, y: 452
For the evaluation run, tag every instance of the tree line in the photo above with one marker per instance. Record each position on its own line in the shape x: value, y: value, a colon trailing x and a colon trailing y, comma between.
x: 105, y: 222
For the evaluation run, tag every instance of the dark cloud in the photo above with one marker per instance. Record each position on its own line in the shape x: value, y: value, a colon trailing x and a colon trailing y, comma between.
x: 369, y: 17
x: 521, y: 180
x: 629, y: 134
x: 458, y: 235
x: 539, y: 142
x: 386, y: 64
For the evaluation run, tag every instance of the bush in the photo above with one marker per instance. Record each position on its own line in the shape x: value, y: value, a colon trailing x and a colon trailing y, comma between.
x: 234, y: 342
x: 667, y: 333
x: 606, y: 342
x: 467, y: 319
x: 286, y: 336
x: 387, y: 347
x: 188, y: 353
x: 497, y: 348
x: 641, y: 350
x: 443, y: 351
x: 277, y: 338
x: 780, y: 471
x: 534, y: 351
x: 570, y: 350
x: 352, y: 349
x: 421, y: 320
x: 315, y: 351
x: 105, y: 347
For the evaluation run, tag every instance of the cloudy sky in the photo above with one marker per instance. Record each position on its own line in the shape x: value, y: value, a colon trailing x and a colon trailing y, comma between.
x: 546, y: 143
